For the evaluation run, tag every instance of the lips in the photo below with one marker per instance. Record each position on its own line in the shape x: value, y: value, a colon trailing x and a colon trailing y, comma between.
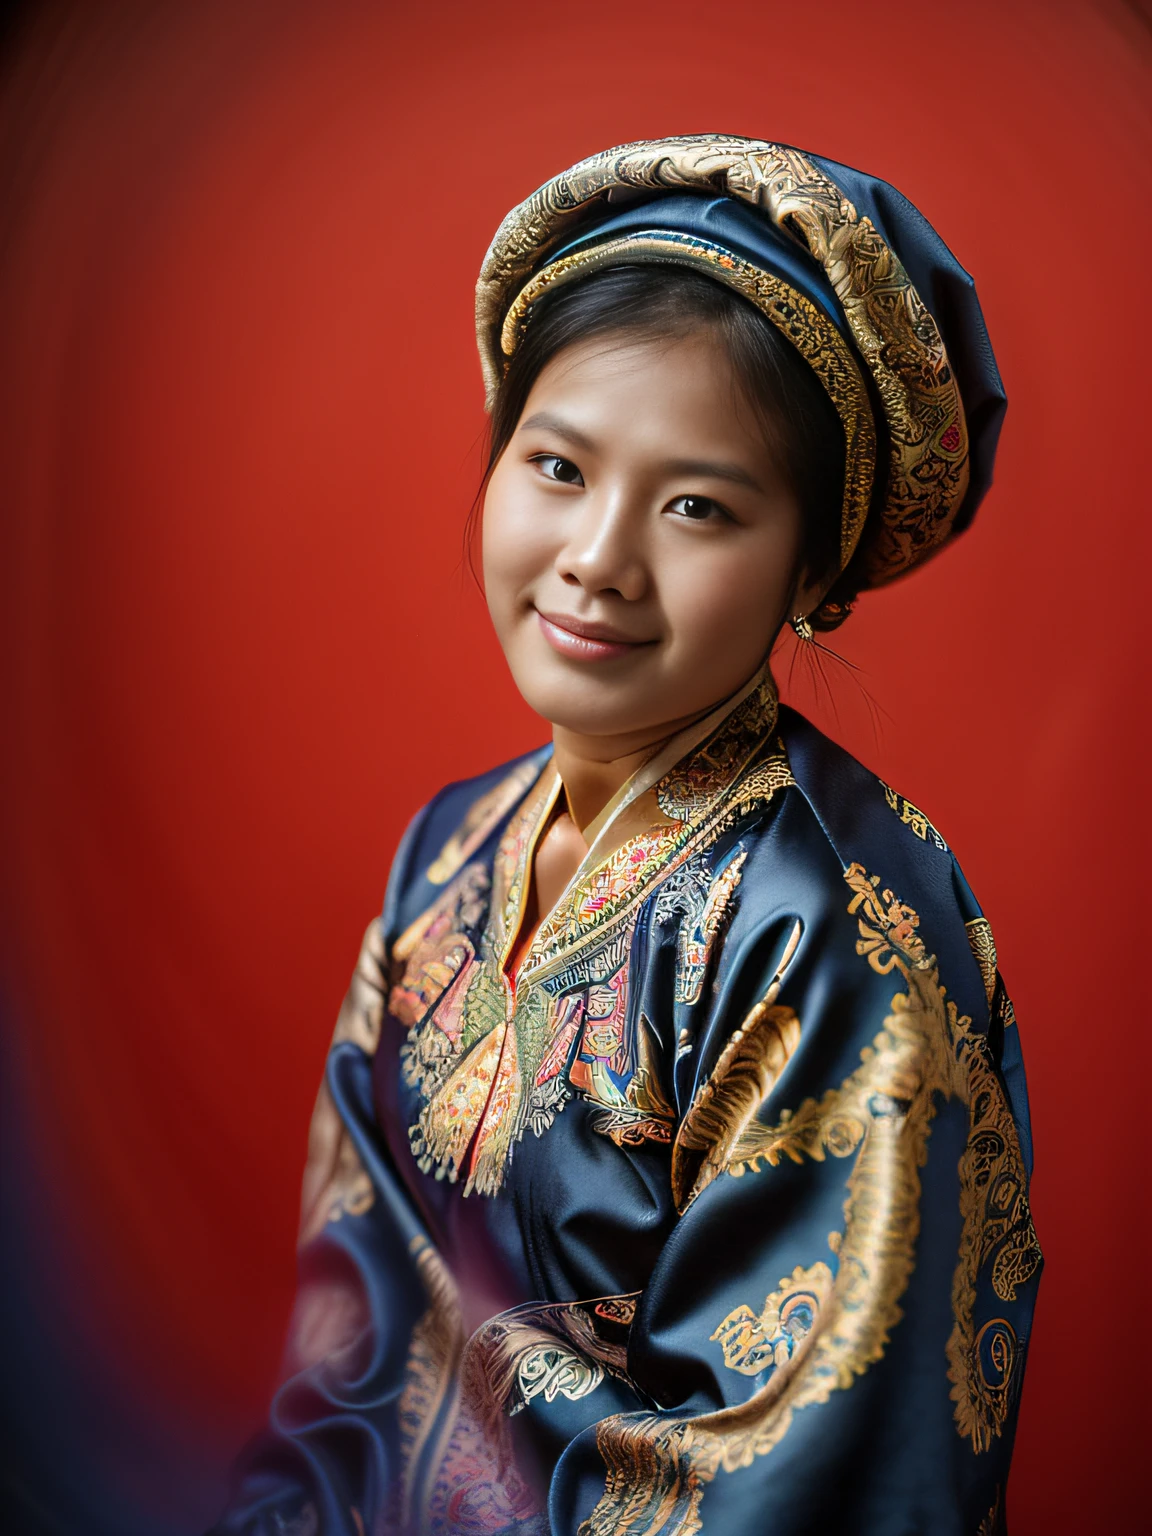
x: 582, y: 640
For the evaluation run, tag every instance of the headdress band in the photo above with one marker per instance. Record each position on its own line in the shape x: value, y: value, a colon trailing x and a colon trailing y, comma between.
x: 808, y: 329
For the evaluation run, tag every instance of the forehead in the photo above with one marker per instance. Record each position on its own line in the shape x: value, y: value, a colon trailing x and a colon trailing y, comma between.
x: 628, y: 387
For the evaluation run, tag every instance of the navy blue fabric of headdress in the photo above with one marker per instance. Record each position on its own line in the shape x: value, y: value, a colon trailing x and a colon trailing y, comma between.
x: 945, y: 287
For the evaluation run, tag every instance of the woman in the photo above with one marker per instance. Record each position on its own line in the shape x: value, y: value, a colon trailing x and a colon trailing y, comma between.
x: 671, y: 1167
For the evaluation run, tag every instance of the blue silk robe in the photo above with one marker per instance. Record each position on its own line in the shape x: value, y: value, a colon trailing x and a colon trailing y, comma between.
x: 715, y: 1217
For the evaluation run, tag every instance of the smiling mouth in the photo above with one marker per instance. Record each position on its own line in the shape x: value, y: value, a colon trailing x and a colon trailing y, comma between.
x: 584, y: 641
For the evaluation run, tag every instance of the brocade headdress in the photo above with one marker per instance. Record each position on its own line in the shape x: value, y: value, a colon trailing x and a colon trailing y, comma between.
x: 852, y: 274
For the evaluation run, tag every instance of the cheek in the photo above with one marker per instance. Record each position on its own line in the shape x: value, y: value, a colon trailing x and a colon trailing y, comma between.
x: 732, y: 596
x: 514, y: 545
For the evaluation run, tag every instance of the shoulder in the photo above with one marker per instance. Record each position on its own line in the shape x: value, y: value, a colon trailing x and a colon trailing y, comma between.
x: 862, y: 817
x: 878, y: 837
x: 456, y: 825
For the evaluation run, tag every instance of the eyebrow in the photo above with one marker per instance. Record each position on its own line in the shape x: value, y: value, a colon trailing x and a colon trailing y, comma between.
x: 708, y: 470
x: 557, y: 424
x: 703, y: 468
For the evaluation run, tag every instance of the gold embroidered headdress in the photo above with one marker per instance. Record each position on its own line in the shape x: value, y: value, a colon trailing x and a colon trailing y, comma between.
x: 840, y: 262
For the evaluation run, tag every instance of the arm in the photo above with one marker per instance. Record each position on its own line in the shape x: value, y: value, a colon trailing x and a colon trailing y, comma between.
x: 835, y: 1331
x: 332, y: 1440
x: 377, y: 1332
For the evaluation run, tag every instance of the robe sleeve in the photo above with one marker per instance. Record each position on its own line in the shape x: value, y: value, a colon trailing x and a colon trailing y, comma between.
x: 833, y: 1337
x: 331, y: 1459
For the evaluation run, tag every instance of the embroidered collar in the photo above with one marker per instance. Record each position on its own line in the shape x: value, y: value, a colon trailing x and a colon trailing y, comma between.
x: 652, y: 820
x: 479, y: 1055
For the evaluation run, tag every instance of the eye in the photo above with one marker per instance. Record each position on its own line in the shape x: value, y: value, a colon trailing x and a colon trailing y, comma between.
x: 553, y: 467
x: 698, y: 509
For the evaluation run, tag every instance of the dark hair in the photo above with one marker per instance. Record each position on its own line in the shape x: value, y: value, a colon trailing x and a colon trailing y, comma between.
x: 799, y: 420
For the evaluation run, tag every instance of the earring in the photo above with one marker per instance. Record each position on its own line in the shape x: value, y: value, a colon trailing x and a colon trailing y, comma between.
x: 804, y: 630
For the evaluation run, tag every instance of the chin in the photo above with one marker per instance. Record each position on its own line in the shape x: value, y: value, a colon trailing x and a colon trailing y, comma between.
x: 593, y: 709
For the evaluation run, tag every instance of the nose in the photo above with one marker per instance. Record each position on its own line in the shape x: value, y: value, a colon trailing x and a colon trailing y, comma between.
x: 604, y: 548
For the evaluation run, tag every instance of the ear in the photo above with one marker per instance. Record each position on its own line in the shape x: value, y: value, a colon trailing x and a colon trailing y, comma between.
x: 808, y: 593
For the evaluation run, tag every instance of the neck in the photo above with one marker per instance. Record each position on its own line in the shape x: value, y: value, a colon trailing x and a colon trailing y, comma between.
x: 593, y: 768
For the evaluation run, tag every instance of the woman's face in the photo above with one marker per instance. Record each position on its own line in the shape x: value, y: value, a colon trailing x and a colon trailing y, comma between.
x: 640, y: 542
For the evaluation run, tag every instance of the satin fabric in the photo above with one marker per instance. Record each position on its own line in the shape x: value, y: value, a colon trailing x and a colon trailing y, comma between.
x: 759, y: 1256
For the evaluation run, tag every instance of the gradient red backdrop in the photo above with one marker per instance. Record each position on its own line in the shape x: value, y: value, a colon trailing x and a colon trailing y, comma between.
x: 240, y: 415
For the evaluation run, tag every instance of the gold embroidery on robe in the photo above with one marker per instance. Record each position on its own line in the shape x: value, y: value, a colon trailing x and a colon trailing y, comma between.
x: 643, y: 1112
x: 754, y: 1344
x: 999, y: 1242
x: 913, y: 817
x: 993, y: 1522
x: 881, y: 1115
x: 720, y: 775
x: 727, y: 1104
x: 548, y: 1350
x: 984, y: 953
x: 702, y: 930
x: 335, y: 1181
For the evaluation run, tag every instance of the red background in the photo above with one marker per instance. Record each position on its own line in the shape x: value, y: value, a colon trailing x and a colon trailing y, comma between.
x: 240, y: 415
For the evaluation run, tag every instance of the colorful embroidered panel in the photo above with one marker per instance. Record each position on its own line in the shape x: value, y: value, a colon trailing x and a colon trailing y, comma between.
x: 498, y: 1056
